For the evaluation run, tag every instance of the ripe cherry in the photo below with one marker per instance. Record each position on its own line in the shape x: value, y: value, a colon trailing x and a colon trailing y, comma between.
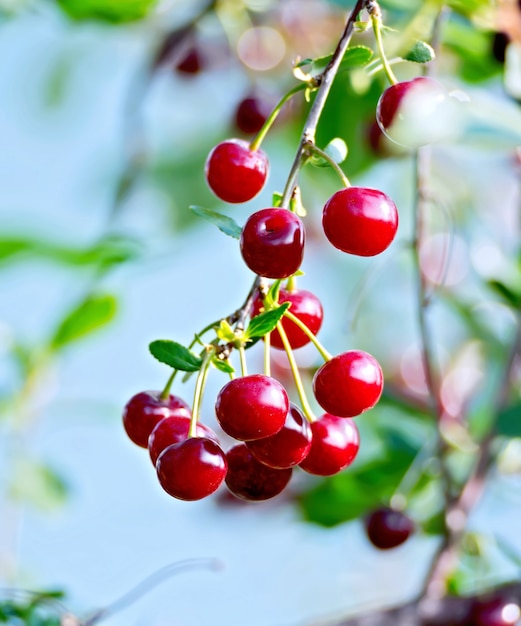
x: 334, y: 446
x: 234, y: 172
x: 495, y: 611
x: 360, y: 221
x: 272, y: 243
x: 417, y: 112
x: 349, y: 384
x: 191, y: 62
x: 289, y: 446
x: 191, y: 469
x: 249, y: 479
x: 173, y: 430
x: 252, y: 407
x: 387, y: 528
x: 304, y: 305
x: 251, y: 113
x: 144, y: 410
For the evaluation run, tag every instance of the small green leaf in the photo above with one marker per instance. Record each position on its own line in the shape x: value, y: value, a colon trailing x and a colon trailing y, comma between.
x: 509, y: 421
x: 115, y: 11
x: 93, y: 313
x: 434, y: 525
x: 225, y: 332
x: 264, y: 323
x: 276, y: 199
x: 507, y: 293
x: 174, y: 354
x: 356, y: 56
x: 223, y: 366
x: 421, y: 52
x: 225, y: 224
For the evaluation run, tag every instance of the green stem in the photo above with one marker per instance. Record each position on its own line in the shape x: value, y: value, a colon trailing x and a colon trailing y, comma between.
x: 324, y: 155
x: 198, y: 392
x: 376, y: 20
x: 244, y: 367
x: 166, y: 391
x: 256, y: 143
x: 323, y: 352
x: 306, y: 408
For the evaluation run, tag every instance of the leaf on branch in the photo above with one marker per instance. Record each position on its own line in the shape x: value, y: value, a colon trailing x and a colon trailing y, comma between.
x: 114, y: 11
x: 355, y: 56
x: 174, y: 354
x: 507, y: 293
x: 509, y: 421
x: 225, y: 332
x: 93, y: 313
x: 225, y: 224
x: 421, y: 52
x: 223, y: 366
x: 276, y: 200
x: 264, y: 323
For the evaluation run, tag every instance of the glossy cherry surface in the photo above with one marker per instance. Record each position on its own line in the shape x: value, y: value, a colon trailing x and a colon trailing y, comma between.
x: 360, y: 220
x: 387, y: 528
x: 234, y: 172
x: 144, y: 410
x: 252, y: 407
x: 289, y: 446
x: 249, y: 479
x: 173, y: 430
x: 191, y: 469
x: 304, y: 305
x: 334, y: 446
x: 349, y: 384
x: 496, y: 610
x: 272, y: 242
x: 251, y: 113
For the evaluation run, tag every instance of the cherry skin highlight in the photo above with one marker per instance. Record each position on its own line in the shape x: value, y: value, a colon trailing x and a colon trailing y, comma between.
x: 304, y: 305
x: 334, y: 445
x: 360, y: 220
x: 234, y: 172
x: 495, y: 611
x: 272, y: 243
x: 249, y: 479
x: 289, y: 446
x: 252, y: 407
x: 349, y: 384
x: 173, y: 430
x: 387, y: 528
x: 144, y: 410
x: 191, y: 469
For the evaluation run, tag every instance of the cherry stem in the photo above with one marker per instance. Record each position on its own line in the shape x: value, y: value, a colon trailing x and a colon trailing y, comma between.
x: 376, y: 19
x: 309, y: 334
x: 256, y: 143
x: 166, y: 391
x: 324, y: 155
x: 306, y: 408
x: 199, y: 389
x: 242, y: 355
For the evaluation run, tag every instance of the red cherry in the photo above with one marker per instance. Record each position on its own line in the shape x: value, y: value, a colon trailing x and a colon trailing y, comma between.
x: 251, y: 113
x: 495, y: 611
x: 304, y: 305
x: 249, y: 479
x: 334, y: 445
x: 191, y: 469
x: 144, y: 410
x: 191, y: 63
x: 173, y: 430
x: 387, y: 528
x: 360, y: 221
x: 272, y: 243
x: 289, y: 446
x: 252, y: 407
x: 234, y: 172
x: 349, y: 384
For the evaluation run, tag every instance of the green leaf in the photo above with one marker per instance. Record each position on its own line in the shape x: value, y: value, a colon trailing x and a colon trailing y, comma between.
x: 115, y: 11
x: 509, y: 421
x: 421, y: 52
x: 507, y: 293
x: 174, y: 354
x: 276, y: 199
x: 92, y: 314
x: 225, y: 332
x: 264, y: 323
x: 225, y: 224
x: 223, y: 366
x: 434, y: 525
x: 355, y: 56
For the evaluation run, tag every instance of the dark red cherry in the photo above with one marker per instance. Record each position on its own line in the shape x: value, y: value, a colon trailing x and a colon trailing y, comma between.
x: 289, y: 446
x: 252, y: 407
x: 272, y: 243
x: 191, y: 62
x: 349, y: 384
x: 251, y: 113
x: 304, y: 305
x: 144, y: 410
x: 191, y: 469
x: 495, y: 610
x: 249, y: 479
x: 360, y: 221
x: 334, y: 445
x: 387, y: 528
x: 173, y: 430
x: 234, y: 172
